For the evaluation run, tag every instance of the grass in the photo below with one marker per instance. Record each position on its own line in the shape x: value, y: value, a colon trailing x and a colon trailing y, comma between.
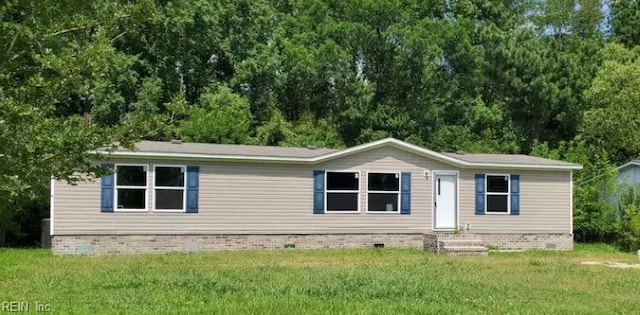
x: 365, y: 281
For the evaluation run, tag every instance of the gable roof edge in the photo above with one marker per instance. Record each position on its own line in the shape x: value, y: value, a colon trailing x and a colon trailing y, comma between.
x: 394, y: 142
x: 632, y: 162
x: 339, y: 154
x: 438, y: 157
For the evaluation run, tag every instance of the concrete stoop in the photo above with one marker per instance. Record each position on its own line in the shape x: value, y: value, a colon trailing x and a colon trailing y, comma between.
x: 458, y: 246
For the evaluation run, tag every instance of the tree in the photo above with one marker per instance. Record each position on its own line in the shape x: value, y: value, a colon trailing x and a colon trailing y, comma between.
x: 613, y: 120
x: 222, y: 117
x: 309, y: 132
x: 470, y: 75
x: 34, y: 147
x: 275, y: 131
x: 58, y: 63
x: 625, y: 22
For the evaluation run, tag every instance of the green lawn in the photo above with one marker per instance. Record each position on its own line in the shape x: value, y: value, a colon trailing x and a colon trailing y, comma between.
x: 367, y: 281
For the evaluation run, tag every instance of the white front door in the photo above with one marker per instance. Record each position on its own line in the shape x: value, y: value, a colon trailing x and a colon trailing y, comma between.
x: 445, y: 201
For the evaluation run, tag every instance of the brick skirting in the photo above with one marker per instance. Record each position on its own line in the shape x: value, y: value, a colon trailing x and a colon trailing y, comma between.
x: 112, y: 244
x: 129, y: 244
x: 555, y: 241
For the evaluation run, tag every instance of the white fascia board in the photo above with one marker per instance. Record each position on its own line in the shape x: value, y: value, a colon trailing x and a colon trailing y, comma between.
x: 396, y: 143
x: 334, y: 155
x: 442, y: 157
x: 526, y: 166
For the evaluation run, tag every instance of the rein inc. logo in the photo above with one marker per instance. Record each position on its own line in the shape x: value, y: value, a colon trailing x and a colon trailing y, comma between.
x: 23, y: 306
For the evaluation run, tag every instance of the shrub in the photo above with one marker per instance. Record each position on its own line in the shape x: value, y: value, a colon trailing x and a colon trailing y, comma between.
x: 628, y: 225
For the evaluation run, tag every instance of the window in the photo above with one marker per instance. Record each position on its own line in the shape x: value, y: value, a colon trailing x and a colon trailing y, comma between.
x: 131, y: 187
x: 383, y: 192
x: 169, y: 188
x: 343, y: 191
x: 497, y: 193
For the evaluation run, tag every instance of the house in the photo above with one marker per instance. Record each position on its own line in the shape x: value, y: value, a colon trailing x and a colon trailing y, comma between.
x: 174, y: 196
x: 628, y: 174
x: 627, y: 178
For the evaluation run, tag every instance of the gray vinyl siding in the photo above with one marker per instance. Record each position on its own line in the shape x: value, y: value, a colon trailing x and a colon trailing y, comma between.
x: 628, y: 176
x: 262, y: 198
x: 545, y: 204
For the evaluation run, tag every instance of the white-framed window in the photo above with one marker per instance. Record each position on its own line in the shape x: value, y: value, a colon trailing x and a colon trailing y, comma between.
x: 497, y: 198
x: 131, y: 187
x: 169, y: 187
x: 383, y: 192
x: 342, y: 192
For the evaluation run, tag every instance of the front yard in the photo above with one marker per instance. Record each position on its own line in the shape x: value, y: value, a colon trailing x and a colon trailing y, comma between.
x: 367, y: 281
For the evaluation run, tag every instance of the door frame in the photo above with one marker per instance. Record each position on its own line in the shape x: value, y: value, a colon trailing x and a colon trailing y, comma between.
x: 434, y: 174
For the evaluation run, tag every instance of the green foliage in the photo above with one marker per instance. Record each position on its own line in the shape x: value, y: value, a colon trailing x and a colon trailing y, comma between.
x: 148, y: 121
x: 222, y: 117
x: 629, y: 220
x: 542, y: 149
x: 613, y: 118
x: 593, y: 218
x: 477, y: 76
x: 570, y: 16
x: 309, y: 132
x: 274, y: 131
x: 33, y: 148
x: 306, y: 132
x: 58, y: 63
x: 625, y: 22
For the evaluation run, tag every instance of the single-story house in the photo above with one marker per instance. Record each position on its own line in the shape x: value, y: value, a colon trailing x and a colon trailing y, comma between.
x: 174, y: 196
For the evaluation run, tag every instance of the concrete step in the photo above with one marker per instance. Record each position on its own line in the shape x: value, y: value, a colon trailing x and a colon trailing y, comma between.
x: 486, y: 253
x: 462, y: 246
x: 464, y: 249
x: 460, y: 242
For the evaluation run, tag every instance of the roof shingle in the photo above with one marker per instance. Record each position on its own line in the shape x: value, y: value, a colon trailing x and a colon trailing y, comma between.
x: 227, y: 149
x: 519, y: 159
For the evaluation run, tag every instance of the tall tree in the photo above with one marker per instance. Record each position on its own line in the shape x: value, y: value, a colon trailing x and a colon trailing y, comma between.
x: 57, y: 63
x: 613, y: 120
x: 625, y: 21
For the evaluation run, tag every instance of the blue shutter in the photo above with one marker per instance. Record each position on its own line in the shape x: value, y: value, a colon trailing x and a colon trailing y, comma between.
x: 480, y: 194
x: 106, y: 191
x: 318, y: 192
x: 515, y: 194
x: 193, y: 174
x: 405, y: 193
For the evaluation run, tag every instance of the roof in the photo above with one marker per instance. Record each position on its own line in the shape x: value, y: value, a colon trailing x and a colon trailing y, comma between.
x: 227, y: 149
x: 507, y: 159
x: 228, y: 152
x: 632, y: 162
x: 635, y: 162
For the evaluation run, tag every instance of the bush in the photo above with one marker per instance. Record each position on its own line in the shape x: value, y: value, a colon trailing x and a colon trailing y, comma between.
x: 628, y: 225
x: 594, y: 218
